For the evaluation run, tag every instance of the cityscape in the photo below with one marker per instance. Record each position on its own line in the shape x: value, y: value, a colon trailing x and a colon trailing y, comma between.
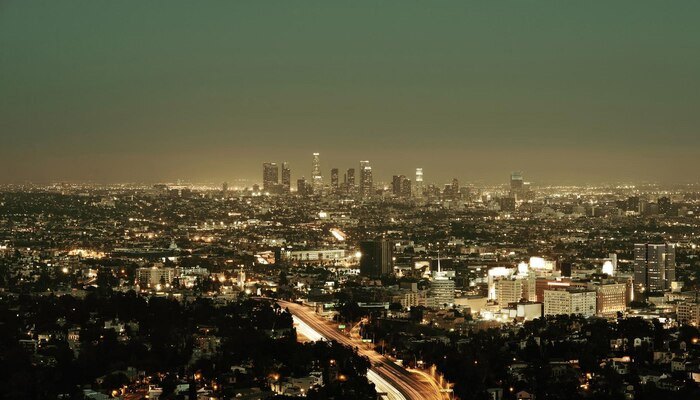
x: 350, y: 288
x: 349, y: 200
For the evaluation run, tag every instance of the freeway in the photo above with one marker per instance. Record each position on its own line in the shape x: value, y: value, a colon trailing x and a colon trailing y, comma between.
x: 395, y: 381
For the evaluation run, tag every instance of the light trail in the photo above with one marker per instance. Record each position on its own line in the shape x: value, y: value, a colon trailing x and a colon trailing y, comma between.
x: 383, y: 386
x: 396, y: 382
x: 380, y: 384
x: 306, y: 330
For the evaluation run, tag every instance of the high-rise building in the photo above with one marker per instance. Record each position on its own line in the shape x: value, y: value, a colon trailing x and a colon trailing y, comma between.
x: 303, y: 188
x: 442, y: 289
x: 334, y: 179
x: 654, y: 267
x: 286, y: 177
x: 401, y: 186
x: 516, y: 181
x: 366, y: 184
x: 418, y: 187
x: 316, y: 177
x: 376, y: 258
x: 633, y: 204
x: 396, y: 184
x: 270, y: 176
x: 451, y: 191
x: 351, y: 177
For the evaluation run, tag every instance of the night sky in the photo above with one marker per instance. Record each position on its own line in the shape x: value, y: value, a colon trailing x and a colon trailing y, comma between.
x: 148, y: 91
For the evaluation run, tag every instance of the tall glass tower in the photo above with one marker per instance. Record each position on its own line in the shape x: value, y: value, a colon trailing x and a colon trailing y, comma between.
x: 316, y: 177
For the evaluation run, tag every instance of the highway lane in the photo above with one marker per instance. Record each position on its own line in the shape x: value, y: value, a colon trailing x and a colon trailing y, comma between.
x: 402, y: 385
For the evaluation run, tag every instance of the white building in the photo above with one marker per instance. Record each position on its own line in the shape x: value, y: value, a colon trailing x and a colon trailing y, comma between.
x: 155, y: 277
x: 570, y: 301
x: 314, y: 255
x: 508, y: 291
x: 442, y: 288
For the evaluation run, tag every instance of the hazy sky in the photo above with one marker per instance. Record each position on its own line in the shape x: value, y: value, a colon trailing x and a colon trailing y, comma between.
x: 116, y: 91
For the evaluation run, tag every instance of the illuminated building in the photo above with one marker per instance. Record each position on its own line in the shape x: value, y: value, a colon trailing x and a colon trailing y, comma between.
x: 270, y: 177
x: 366, y: 183
x: 418, y: 187
x: 303, y: 188
x: 376, y: 259
x: 508, y: 291
x: 318, y: 256
x: 286, y: 177
x: 442, y: 288
x: 316, y: 177
x: 611, y: 299
x: 350, y: 176
x: 654, y: 267
x: 334, y: 179
x: 493, y: 275
x: 516, y: 181
x: 401, y: 186
x: 688, y: 312
x: 154, y: 277
x: 570, y: 301
x: 664, y: 204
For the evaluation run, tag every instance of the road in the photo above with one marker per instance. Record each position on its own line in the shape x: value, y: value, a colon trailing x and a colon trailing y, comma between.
x: 397, y: 382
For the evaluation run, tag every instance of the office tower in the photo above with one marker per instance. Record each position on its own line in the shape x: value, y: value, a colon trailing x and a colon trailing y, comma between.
x: 633, y: 204
x: 654, y: 267
x: 224, y: 188
x: 396, y: 184
x: 442, y: 290
x: 418, y: 187
x: 334, y: 179
x: 516, y: 181
x: 401, y: 186
x: 286, y: 177
x: 406, y: 188
x: 316, y: 177
x: 303, y: 188
x: 365, y: 179
x: 451, y: 191
x: 351, y: 177
x: 270, y: 176
x: 376, y: 259
x: 664, y: 204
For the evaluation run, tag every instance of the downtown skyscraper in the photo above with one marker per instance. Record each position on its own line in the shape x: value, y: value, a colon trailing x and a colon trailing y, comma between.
x: 366, y: 183
x: 270, y: 176
x: 418, y: 187
x: 316, y: 177
x: 286, y: 177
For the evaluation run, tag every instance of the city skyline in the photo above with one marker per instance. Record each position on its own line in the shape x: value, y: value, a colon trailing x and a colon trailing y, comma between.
x: 349, y: 200
x: 572, y: 94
